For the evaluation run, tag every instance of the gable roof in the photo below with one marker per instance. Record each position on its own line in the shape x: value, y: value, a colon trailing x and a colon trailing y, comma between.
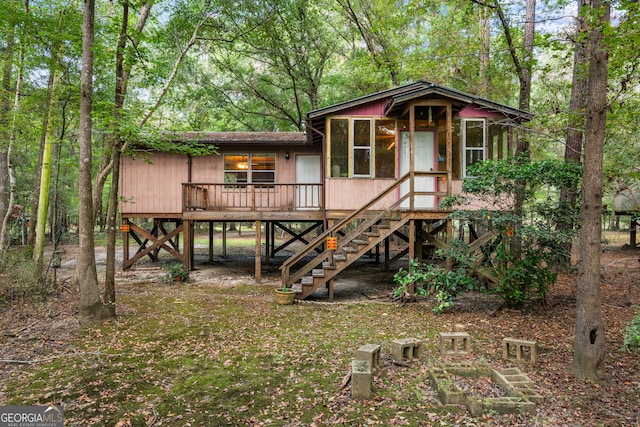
x: 396, y: 99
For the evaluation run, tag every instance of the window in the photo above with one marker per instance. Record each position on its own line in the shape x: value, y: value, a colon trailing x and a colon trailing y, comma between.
x: 385, y: 148
x: 473, y: 141
x: 256, y: 168
x: 339, y: 161
x: 362, y: 147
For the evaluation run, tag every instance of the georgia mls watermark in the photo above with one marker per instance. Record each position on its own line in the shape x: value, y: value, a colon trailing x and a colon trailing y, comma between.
x: 31, y: 416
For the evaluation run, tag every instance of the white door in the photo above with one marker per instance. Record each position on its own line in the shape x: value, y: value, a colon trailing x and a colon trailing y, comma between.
x: 308, y: 172
x: 424, y: 162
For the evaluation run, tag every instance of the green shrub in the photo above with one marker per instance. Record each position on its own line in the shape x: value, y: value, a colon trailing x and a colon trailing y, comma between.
x: 631, y: 334
x: 176, y: 272
x: 19, y: 277
x: 427, y: 278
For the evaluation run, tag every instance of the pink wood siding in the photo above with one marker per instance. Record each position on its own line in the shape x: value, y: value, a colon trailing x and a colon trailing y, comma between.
x: 351, y: 194
x: 474, y: 204
x: 153, y: 186
x: 210, y: 169
x: 472, y: 111
x: 371, y: 109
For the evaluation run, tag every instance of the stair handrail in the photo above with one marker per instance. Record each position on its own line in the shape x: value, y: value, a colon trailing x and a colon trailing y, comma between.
x: 326, y: 254
x: 286, y: 265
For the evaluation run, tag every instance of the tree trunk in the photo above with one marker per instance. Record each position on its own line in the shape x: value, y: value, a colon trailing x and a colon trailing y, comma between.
x: 575, y: 129
x: 91, y: 308
x: 5, y: 110
x: 45, y: 172
x: 589, y: 350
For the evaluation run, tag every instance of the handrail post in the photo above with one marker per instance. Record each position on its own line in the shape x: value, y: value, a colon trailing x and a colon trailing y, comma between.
x: 253, y: 197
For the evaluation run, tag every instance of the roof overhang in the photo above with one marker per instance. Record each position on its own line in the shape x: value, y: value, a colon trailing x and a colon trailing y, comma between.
x: 241, y: 138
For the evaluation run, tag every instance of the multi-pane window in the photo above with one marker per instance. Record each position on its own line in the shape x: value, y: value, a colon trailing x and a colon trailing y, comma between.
x: 362, y: 147
x: 256, y: 168
x: 473, y: 141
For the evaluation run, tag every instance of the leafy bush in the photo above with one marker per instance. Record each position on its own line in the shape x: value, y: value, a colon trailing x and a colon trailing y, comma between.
x: 425, y: 278
x: 19, y: 277
x: 631, y: 334
x: 531, y: 240
x: 176, y: 272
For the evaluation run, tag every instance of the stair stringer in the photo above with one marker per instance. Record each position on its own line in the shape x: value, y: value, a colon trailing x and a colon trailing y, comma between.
x: 330, y: 270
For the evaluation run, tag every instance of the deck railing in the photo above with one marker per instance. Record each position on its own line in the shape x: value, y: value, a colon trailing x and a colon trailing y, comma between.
x: 252, y: 197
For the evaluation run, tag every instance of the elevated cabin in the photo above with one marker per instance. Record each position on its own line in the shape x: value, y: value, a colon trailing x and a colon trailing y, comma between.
x: 365, y: 170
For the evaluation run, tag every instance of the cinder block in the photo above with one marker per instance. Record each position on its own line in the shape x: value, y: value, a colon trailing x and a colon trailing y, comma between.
x: 455, y: 343
x: 406, y: 349
x: 521, y: 347
x: 370, y: 353
x: 360, y: 379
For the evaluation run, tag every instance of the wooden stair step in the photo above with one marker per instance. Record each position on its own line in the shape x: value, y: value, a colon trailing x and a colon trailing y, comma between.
x: 328, y: 266
x: 359, y: 242
x: 371, y: 234
x: 339, y: 258
x: 317, y: 272
x: 306, y: 281
x: 349, y: 249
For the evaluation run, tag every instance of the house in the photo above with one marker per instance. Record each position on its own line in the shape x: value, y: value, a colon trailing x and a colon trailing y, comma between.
x: 365, y: 170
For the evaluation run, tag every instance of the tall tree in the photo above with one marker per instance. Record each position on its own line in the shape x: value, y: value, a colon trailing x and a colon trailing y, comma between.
x: 91, y: 308
x: 5, y: 113
x: 575, y: 127
x: 589, y: 347
x: 48, y: 136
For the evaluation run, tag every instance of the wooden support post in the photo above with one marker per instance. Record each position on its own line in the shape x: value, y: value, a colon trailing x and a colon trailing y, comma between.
x: 419, y: 240
x: 188, y: 238
x: 125, y: 242
x: 224, y: 239
x: 258, y: 251
x: 267, y: 238
x: 154, y: 233
x: 633, y: 224
x: 412, y: 254
x: 210, y: 241
x: 330, y: 285
x: 378, y: 253
x: 386, y: 254
x: 272, y: 225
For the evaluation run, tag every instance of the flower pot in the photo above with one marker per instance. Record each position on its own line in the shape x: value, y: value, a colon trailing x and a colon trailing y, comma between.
x: 285, y: 297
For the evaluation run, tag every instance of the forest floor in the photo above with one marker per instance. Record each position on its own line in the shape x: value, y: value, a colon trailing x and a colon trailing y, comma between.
x: 217, y: 350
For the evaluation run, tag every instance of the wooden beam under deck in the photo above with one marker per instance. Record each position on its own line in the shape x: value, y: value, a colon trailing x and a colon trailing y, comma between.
x: 251, y: 216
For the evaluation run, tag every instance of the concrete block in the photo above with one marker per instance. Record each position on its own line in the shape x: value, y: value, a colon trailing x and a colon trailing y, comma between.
x: 360, y: 380
x: 370, y: 353
x: 520, y: 349
x: 455, y: 343
x: 406, y: 349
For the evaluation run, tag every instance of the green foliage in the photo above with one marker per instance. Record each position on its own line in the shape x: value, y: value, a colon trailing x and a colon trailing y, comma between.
x: 176, y: 272
x: 426, y: 278
x: 19, y: 277
x: 529, y: 245
x: 631, y: 335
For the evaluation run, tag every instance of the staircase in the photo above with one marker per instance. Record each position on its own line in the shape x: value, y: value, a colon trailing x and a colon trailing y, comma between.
x: 356, y: 235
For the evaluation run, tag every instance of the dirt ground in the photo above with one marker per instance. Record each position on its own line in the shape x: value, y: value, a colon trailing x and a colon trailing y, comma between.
x: 33, y: 330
